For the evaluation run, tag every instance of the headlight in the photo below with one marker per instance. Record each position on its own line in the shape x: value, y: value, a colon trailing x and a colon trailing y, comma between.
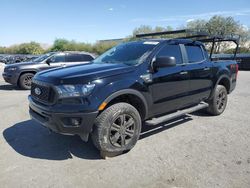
x: 66, y: 91
x: 11, y: 68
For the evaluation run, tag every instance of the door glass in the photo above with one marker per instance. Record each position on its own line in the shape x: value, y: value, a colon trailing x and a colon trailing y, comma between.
x: 58, y: 58
x: 171, y: 51
x: 194, y: 53
x: 74, y: 58
x: 86, y: 57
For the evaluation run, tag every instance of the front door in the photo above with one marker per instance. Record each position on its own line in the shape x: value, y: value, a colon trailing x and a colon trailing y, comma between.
x: 55, y: 61
x: 169, y: 85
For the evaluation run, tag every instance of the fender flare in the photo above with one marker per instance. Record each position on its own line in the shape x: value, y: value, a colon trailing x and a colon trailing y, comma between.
x: 129, y: 91
x: 27, y: 71
x: 222, y: 77
x: 217, y: 82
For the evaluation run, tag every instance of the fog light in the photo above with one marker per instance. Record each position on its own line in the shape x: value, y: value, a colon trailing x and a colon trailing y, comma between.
x: 76, y: 121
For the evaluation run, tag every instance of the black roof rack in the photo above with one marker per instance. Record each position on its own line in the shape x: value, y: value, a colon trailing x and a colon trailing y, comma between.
x: 216, y: 39
x: 161, y: 33
x: 198, y: 36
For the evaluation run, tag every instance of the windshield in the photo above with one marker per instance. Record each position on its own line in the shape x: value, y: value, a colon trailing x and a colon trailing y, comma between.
x: 130, y: 53
x: 43, y: 57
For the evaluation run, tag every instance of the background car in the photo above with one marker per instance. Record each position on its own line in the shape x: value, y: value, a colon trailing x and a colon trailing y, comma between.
x: 242, y: 59
x: 21, y: 74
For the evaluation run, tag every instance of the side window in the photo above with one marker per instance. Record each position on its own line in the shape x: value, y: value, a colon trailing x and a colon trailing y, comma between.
x: 172, y: 51
x: 58, y: 58
x: 78, y: 57
x: 86, y: 57
x: 73, y: 58
x: 194, y: 53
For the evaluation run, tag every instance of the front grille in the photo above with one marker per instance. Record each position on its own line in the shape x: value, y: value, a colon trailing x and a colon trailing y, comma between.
x: 42, y: 92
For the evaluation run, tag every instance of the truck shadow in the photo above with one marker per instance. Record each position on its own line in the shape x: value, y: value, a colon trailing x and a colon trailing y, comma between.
x: 30, y: 139
x: 8, y: 87
x: 201, y: 113
x: 148, y: 130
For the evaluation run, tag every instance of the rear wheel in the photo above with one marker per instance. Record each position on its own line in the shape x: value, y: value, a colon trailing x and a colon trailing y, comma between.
x: 117, y: 128
x: 25, y: 80
x: 218, y: 103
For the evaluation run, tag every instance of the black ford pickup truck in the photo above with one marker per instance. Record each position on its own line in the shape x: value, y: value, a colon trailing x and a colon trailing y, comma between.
x: 146, y: 80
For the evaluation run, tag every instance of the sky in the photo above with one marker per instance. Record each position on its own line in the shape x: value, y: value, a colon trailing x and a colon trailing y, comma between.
x: 44, y: 21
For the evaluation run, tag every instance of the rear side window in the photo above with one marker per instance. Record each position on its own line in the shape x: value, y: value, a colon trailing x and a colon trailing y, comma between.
x: 171, y: 51
x: 194, y: 53
x: 73, y: 58
x: 86, y: 57
x: 78, y: 57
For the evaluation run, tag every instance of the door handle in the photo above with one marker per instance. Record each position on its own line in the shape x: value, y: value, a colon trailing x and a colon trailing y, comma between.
x: 206, y: 68
x: 183, y: 72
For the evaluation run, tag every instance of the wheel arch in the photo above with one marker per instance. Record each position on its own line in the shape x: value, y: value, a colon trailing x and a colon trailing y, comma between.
x: 223, y: 80
x: 131, y: 96
x: 25, y: 72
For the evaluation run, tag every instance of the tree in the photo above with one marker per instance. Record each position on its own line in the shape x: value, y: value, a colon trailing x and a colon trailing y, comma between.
x: 24, y: 48
x: 66, y: 45
x: 2, y: 50
x: 101, y: 47
x: 30, y: 48
x: 142, y: 30
x: 197, y: 25
x: 221, y: 26
x: 59, y: 45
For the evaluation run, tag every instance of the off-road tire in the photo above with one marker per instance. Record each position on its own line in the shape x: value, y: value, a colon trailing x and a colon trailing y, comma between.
x: 218, y: 103
x: 104, y: 128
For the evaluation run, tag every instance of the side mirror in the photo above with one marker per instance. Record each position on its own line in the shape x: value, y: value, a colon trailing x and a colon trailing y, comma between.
x: 48, y: 61
x: 164, y: 61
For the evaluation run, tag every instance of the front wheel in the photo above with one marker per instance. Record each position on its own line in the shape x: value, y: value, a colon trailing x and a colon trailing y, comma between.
x: 117, y: 128
x: 218, y: 103
x: 25, y: 80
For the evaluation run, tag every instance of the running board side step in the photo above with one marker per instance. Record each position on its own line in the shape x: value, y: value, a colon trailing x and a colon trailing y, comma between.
x: 156, y: 121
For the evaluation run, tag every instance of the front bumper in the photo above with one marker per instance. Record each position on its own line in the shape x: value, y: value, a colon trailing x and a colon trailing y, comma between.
x: 59, y: 122
x: 10, y: 78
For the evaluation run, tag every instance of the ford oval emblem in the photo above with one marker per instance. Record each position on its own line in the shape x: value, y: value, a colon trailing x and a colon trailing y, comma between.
x: 38, y: 91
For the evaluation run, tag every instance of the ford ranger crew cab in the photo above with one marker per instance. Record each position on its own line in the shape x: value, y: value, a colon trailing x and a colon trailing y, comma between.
x: 110, y: 98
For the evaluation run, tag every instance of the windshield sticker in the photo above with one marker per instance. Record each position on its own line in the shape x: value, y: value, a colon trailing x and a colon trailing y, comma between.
x: 151, y: 42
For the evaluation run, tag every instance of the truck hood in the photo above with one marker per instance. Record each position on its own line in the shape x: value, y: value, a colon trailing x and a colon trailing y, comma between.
x: 81, y: 74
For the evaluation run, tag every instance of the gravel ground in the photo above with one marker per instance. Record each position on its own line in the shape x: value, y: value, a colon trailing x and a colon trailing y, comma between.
x: 196, y: 151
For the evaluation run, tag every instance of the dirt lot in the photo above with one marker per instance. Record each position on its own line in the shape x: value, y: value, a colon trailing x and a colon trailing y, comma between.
x: 196, y: 151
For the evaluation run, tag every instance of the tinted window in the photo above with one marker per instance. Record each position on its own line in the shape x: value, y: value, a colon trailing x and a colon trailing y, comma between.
x: 43, y: 57
x: 171, y: 51
x: 86, y: 57
x: 78, y: 57
x: 194, y: 54
x: 58, y: 58
x: 73, y: 58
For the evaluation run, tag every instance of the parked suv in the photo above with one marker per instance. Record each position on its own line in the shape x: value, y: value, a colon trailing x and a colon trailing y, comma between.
x: 21, y: 74
x: 145, y: 80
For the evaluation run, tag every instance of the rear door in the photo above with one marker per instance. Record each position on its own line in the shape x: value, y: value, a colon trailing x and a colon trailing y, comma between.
x: 171, y: 84
x: 200, y: 72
